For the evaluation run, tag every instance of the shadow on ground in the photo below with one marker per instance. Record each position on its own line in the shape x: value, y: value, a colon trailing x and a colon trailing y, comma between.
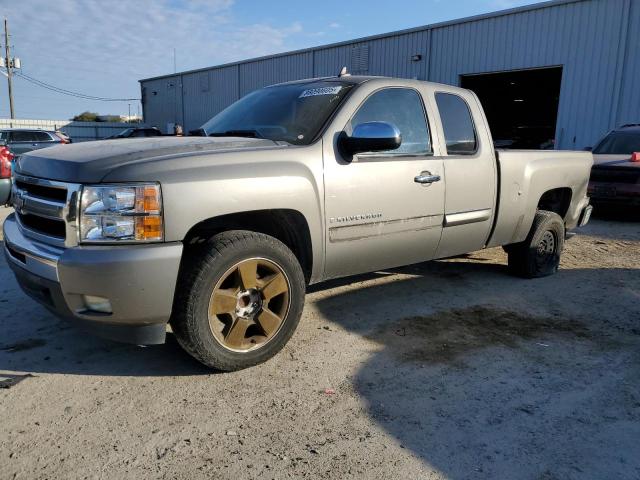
x: 485, y: 376
x: 478, y: 374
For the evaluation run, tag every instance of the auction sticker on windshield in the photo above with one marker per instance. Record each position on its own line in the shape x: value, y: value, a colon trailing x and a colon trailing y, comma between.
x: 312, y: 92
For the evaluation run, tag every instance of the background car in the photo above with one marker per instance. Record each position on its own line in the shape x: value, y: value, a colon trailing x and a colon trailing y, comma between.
x: 615, y: 176
x: 22, y: 140
x: 138, y: 132
x: 6, y: 159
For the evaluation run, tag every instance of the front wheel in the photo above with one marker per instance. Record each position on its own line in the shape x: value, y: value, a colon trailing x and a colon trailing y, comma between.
x: 238, y: 301
x: 539, y: 255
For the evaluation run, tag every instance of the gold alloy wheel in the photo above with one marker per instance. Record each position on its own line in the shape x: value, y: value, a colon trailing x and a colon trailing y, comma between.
x: 249, y: 304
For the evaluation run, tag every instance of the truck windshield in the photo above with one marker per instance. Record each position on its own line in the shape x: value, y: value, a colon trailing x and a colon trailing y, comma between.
x: 619, y: 144
x: 292, y: 113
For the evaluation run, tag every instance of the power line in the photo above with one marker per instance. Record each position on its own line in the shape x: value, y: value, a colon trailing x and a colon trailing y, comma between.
x: 69, y: 92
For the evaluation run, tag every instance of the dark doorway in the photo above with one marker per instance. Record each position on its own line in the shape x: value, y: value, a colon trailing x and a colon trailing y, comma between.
x: 521, y: 105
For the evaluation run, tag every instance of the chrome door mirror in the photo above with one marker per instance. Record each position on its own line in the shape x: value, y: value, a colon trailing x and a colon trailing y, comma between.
x: 370, y: 137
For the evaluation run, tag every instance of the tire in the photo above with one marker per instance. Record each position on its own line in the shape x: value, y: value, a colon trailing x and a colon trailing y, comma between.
x: 539, y: 255
x: 247, y: 332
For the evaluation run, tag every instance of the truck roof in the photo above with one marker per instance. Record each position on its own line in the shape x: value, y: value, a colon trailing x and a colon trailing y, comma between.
x: 360, y: 79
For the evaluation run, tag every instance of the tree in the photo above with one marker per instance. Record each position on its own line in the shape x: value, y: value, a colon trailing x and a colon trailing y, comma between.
x: 86, y: 117
x: 109, y: 118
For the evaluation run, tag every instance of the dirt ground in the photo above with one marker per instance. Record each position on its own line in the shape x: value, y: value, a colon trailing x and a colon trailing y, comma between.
x: 449, y: 369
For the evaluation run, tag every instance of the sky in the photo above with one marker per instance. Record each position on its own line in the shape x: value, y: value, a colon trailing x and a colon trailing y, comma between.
x: 103, y: 47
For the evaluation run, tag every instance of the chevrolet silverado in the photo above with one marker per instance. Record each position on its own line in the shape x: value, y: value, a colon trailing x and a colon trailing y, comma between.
x: 291, y: 185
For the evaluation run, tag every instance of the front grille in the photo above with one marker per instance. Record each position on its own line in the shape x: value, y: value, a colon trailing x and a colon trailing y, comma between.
x: 46, y: 209
x: 615, y: 175
x: 43, y: 225
x: 56, y: 194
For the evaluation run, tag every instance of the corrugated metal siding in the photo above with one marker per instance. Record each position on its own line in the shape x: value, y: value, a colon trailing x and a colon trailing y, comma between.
x: 629, y: 102
x: 162, y: 102
x: 392, y: 56
x: 254, y: 75
x: 593, y: 40
x: 207, y: 92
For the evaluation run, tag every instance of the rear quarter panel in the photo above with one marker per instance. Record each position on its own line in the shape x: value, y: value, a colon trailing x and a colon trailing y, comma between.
x: 525, y: 176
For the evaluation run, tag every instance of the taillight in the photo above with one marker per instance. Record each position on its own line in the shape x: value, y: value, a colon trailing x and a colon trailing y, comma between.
x: 63, y: 139
x: 6, y: 157
x: 635, y: 157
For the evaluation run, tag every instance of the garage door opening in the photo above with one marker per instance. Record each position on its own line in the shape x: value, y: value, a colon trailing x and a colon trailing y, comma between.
x: 521, y: 105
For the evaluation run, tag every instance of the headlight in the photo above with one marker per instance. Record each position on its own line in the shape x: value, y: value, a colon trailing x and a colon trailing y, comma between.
x: 127, y: 213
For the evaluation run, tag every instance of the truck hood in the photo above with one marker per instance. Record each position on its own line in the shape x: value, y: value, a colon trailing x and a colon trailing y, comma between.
x: 89, y: 162
x: 614, y: 161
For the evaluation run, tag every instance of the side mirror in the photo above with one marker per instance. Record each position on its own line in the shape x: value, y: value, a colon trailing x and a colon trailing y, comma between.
x: 370, y: 137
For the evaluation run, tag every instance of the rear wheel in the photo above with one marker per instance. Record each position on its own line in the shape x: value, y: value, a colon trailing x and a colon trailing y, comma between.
x: 239, y: 300
x: 539, y: 255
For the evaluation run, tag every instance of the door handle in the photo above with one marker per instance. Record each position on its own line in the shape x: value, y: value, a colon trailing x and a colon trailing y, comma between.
x: 426, y: 177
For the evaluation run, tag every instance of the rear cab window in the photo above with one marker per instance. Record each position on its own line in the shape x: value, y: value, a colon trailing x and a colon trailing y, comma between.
x: 459, y: 130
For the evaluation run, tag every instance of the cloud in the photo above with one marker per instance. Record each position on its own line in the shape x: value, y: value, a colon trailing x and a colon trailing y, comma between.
x: 103, y: 48
x: 334, y: 25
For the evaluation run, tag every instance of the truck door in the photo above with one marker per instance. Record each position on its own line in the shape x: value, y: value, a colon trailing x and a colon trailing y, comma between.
x: 470, y: 167
x: 378, y: 213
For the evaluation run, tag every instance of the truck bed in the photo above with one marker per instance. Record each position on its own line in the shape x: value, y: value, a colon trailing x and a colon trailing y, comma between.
x: 524, y: 176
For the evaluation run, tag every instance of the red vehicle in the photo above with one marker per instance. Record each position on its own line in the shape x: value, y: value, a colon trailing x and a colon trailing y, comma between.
x: 6, y: 159
x: 615, y: 176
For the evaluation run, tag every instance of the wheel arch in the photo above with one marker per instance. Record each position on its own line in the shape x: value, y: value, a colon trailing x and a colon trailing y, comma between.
x: 287, y: 225
x: 556, y: 200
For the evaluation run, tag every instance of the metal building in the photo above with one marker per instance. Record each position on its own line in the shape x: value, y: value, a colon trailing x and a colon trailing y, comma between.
x: 562, y: 72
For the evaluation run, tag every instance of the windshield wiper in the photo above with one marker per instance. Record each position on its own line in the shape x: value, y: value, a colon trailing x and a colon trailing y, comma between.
x: 237, y: 133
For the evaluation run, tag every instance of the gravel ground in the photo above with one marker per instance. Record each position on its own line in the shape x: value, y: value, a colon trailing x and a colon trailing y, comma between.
x: 449, y: 369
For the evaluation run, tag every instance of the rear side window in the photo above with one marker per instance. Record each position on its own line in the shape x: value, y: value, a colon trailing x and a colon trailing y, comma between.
x: 459, y: 132
x: 42, y: 137
x: 403, y: 108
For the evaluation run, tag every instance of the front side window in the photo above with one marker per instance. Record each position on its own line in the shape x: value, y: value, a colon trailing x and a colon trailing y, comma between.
x: 294, y: 113
x: 457, y: 123
x: 22, y: 136
x: 403, y: 108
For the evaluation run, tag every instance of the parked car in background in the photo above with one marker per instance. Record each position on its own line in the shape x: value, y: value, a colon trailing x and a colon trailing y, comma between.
x: 6, y: 159
x: 66, y: 138
x: 136, y: 132
x: 22, y: 140
x: 615, y: 176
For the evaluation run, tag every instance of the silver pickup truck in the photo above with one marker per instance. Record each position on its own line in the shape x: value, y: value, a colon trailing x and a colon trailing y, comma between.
x: 293, y: 184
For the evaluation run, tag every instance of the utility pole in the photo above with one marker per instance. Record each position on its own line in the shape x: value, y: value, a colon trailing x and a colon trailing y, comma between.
x: 8, y: 66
